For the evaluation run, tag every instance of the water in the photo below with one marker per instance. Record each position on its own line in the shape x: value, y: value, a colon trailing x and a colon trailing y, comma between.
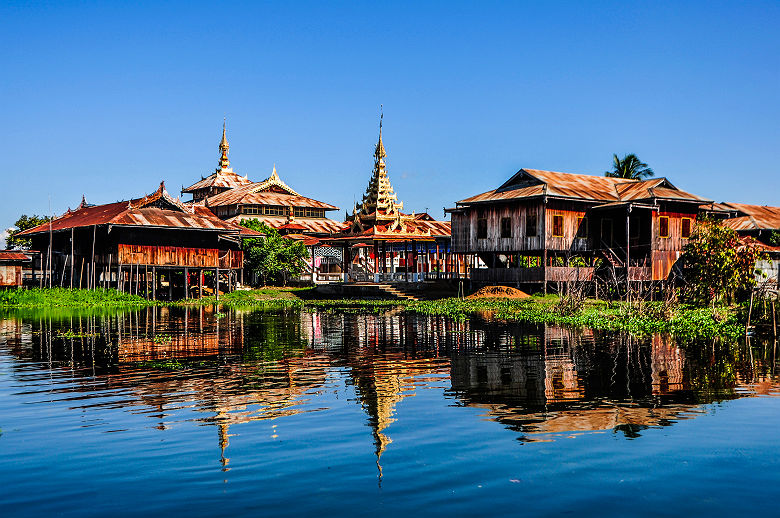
x: 295, y: 413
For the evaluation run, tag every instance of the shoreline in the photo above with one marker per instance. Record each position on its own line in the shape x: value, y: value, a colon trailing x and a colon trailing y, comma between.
x: 650, y: 317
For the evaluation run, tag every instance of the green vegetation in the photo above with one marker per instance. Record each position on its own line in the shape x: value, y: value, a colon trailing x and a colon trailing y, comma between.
x: 629, y: 167
x: 719, y: 265
x: 272, y: 258
x: 681, y: 320
x: 64, y: 297
x: 24, y: 222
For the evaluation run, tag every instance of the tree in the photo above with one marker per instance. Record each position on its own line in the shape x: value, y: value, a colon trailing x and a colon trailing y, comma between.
x: 272, y: 258
x: 25, y: 222
x: 630, y: 167
x: 718, y: 263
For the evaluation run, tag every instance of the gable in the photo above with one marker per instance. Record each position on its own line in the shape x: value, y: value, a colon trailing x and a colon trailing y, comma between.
x: 519, y: 180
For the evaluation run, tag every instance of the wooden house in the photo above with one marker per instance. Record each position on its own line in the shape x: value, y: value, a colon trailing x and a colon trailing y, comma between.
x: 12, y: 264
x: 153, y: 246
x: 542, y: 226
x: 383, y: 244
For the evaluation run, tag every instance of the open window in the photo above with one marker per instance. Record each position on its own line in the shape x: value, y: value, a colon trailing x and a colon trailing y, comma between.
x: 482, y: 228
x: 506, y: 228
x: 530, y: 225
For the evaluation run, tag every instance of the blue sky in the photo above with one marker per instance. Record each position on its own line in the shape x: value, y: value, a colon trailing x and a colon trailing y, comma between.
x: 107, y: 99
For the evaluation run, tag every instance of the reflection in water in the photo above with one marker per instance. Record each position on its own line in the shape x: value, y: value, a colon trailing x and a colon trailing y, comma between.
x: 234, y: 368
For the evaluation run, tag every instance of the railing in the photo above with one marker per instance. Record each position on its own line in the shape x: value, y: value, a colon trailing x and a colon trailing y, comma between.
x: 536, y: 274
x: 358, y: 276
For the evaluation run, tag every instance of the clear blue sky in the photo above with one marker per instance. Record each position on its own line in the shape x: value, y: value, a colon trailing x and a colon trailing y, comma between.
x: 107, y: 99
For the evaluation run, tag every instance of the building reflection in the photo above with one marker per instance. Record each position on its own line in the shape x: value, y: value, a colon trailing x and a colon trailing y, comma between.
x: 238, y: 367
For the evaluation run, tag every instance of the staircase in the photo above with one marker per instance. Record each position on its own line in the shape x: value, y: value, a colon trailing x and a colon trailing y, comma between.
x: 398, y: 291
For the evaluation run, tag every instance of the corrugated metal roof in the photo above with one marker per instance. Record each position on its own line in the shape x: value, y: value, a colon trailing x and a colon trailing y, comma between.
x: 138, y: 212
x: 223, y: 178
x: 10, y: 255
x: 753, y: 217
x: 248, y: 195
x: 311, y: 225
x: 530, y: 183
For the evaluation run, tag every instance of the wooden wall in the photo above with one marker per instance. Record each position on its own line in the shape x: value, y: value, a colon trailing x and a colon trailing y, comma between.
x: 675, y: 241
x: 569, y: 241
x: 464, y: 228
x: 180, y: 256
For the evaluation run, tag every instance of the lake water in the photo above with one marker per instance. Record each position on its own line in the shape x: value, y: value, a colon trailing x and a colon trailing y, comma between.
x: 291, y: 413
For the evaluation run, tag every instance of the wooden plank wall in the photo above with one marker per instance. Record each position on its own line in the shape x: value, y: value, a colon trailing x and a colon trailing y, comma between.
x: 180, y: 256
x: 675, y: 241
x: 464, y: 229
x: 569, y: 241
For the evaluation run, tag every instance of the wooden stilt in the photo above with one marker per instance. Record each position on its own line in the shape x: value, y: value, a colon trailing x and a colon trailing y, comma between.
x: 200, y: 283
x: 186, y: 283
x: 154, y: 283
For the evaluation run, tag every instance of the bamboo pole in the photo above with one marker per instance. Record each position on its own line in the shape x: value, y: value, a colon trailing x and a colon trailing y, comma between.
x: 94, y: 230
x: 108, y: 272
x: 81, y: 272
x: 750, y: 311
x: 774, y: 320
x: 71, y: 256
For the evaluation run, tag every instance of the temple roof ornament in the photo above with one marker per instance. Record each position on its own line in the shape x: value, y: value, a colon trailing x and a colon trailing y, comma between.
x: 274, y: 184
x: 380, y: 205
x: 224, y: 149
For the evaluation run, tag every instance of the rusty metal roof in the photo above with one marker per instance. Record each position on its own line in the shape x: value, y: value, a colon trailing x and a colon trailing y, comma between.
x: 753, y: 217
x: 12, y: 255
x: 531, y: 183
x: 311, y: 225
x: 223, y: 178
x: 144, y: 212
x: 306, y: 240
x: 251, y: 195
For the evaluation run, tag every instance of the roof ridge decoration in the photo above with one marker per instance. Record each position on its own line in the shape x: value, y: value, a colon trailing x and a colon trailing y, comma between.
x: 160, y: 195
x: 273, y: 181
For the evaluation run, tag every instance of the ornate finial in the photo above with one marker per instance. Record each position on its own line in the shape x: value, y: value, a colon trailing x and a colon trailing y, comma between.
x: 224, y: 148
x: 274, y: 174
x: 379, y: 153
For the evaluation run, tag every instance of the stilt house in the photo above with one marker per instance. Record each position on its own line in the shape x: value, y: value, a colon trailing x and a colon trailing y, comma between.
x: 542, y: 226
x: 153, y: 246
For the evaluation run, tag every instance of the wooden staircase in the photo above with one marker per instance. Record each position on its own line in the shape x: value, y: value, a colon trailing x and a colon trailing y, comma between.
x: 398, y: 292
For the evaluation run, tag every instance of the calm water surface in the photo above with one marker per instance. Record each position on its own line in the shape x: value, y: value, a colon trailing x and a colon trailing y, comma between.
x: 293, y: 413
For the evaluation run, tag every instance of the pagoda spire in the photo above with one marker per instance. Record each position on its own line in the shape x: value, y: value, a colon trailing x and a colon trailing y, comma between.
x: 224, y: 148
x: 379, y: 197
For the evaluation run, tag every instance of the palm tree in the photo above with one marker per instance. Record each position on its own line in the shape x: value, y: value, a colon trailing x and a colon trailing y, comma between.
x: 629, y: 167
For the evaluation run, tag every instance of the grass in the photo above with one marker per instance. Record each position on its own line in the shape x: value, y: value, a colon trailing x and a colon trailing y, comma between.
x: 64, y: 297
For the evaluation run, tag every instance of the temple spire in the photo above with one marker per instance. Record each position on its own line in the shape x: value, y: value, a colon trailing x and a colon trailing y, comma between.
x: 224, y: 148
x: 379, y: 199
x: 379, y: 153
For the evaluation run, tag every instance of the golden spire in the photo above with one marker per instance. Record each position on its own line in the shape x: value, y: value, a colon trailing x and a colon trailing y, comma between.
x: 224, y: 147
x: 379, y: 202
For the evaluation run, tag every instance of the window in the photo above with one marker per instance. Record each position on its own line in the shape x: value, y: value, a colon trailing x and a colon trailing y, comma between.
x: 530, y: 225
x: 506, y: 227
x: 482, y: 228
x: 557, y: 230
x: 582, y: 227
x: 685, y: 230
x: 663, y: 226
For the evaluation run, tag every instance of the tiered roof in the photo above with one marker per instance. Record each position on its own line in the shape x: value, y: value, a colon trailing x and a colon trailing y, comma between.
x: 275, y: 192
x: 379, y: 214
